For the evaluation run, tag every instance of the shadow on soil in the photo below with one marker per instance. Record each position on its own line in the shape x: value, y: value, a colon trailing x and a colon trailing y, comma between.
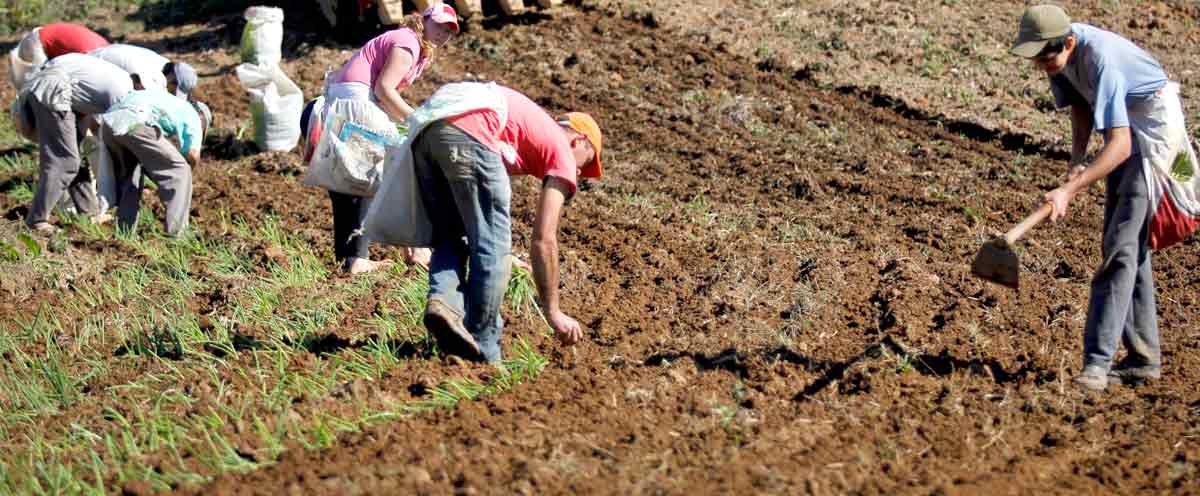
x: 25, y: 149
x: 328, y: 344
x: 940, y: 365
x: 12, y: 183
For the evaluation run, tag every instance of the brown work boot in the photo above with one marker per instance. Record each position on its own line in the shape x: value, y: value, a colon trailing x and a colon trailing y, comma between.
x: 446, y: 326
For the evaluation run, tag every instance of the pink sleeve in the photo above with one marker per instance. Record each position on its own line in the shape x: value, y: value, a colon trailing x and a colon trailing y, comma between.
x: 540, y: 142
x: 560, y: 163
x: 406, y: 39
x: 549, y: 153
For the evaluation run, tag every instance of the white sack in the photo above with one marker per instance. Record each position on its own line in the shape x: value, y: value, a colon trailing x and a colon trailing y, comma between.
x: 275, y: 105
x: 262, y: 38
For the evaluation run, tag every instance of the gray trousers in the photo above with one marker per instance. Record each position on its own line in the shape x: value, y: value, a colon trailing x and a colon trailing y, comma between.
x: 1122, y: 307
x: 60, y: 170
x: 146, y: 152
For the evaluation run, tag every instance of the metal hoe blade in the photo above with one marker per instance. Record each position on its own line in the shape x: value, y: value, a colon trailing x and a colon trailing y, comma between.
x: 996, y: 262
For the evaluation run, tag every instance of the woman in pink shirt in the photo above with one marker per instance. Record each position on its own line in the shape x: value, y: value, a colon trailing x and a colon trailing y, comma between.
x: 392, y: 61
x: 378, y: 72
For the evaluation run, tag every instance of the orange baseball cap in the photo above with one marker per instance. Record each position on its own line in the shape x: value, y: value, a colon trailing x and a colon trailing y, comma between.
x: 584, y: 124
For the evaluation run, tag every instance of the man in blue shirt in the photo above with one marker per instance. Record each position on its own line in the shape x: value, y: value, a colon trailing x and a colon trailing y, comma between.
x: 1105, y: 80
x: 151, y: 133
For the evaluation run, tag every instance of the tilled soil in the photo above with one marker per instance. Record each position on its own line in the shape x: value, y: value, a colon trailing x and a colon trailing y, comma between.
x: 948, y: 58
x: 774, y: 278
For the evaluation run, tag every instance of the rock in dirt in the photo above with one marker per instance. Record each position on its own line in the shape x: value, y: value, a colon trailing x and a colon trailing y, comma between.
x: 284, y: 163
x: 267, y: 253
x: 418, y: 475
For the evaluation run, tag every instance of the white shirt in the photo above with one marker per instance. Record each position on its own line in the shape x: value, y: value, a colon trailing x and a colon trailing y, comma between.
x: 143, y: 62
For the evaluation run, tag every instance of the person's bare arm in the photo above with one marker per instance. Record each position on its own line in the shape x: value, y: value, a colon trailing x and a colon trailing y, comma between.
x: 193, y: 157
x: 399, y: 62
x: 1117, y: 148
x: 544, y: 251
x: 1081, y: 135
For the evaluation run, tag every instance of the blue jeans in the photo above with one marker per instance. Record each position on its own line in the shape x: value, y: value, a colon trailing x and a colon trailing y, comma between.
x: 1122, y: 306
x: 466, y: 191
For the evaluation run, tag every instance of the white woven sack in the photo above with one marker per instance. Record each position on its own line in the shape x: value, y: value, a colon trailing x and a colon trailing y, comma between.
x: 262, y: 38
x: 397, y: 215
x: 275, y: 106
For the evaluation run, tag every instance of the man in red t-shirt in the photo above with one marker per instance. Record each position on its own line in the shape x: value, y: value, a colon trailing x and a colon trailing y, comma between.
x: 63, y: 37
x: 463, y: 166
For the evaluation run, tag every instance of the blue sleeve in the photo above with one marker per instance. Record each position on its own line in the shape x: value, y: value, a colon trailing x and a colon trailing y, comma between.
x: 1111, y: 90
x: 189, y: 131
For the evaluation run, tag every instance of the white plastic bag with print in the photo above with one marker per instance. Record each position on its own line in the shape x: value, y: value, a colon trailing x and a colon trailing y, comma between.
x: 275, y: 106
x: 350, y: 153
x: 1170, y: 167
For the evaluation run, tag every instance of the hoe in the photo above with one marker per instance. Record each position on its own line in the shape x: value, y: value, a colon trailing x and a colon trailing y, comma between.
x: 996, y: 261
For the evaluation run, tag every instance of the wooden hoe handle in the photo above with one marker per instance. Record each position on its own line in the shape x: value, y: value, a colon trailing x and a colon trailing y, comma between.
x: 1034, y: 219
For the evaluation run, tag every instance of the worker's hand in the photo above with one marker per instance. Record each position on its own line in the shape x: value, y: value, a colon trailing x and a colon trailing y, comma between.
x: 1074, y: 171
x: 566, y: 329
x: 1061, y: 200
x: 518, y: 262
x: 418, y: 256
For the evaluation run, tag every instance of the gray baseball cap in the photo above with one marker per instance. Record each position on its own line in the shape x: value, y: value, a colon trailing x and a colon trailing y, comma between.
x: 186, y: 79
x: 1040, y: 24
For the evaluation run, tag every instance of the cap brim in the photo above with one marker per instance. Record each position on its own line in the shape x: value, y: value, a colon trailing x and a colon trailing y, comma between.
x: 1028, y: 49
x: 592, y: 169
x: 445, y: 18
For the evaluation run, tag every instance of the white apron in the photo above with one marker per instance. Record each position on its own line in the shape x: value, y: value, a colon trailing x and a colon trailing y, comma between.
x: 1170, y: 166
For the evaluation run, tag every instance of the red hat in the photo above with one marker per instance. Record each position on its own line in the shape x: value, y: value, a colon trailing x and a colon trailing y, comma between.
x: 442, y: 14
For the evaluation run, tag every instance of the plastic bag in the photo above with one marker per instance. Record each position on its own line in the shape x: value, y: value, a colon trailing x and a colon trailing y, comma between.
x: 397, y: 215
x: 102, y: 171
x: 18, y: 69
x: 25, y: 59
x: 275, y: 106
x: 262, y: 38
x: 350, y: 155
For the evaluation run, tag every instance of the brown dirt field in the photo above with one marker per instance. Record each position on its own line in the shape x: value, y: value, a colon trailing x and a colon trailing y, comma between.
x: 774, y: 278
x: 746, y: 328
x: 948, y: 58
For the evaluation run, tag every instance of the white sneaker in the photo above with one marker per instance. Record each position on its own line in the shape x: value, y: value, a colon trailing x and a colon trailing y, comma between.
x: 1091, y: 379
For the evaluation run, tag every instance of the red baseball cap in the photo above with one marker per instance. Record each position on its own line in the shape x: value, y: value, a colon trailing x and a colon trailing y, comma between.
x: 442, y: 14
